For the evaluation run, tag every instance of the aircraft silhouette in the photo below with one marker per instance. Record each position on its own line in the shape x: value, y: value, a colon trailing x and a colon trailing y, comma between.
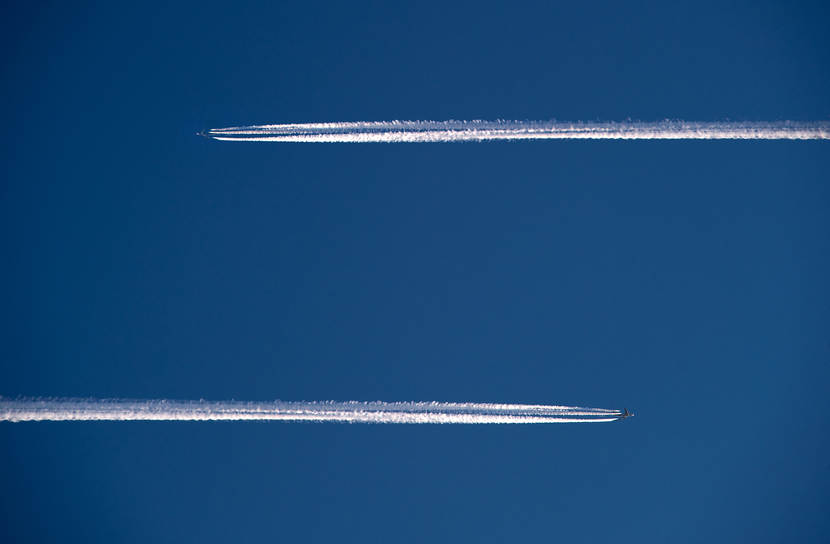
x: 625, y: 414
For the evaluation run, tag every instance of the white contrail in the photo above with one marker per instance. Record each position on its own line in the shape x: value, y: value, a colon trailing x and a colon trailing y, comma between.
x: 476, y: 131
x: 349, y: 412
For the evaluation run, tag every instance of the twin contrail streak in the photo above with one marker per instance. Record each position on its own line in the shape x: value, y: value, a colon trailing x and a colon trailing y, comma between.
x: 477, y: 131
x: 346, y: 412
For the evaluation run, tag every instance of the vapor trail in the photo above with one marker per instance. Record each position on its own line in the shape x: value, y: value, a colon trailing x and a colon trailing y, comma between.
x: 349, y: 412
x: 476, y: 131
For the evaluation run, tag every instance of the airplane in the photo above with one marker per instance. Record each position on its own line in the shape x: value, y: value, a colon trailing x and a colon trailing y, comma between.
x: 203, y: 133
x: 625, y: 414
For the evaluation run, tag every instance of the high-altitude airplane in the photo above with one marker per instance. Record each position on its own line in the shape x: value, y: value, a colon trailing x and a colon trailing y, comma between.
x: 625, y: 414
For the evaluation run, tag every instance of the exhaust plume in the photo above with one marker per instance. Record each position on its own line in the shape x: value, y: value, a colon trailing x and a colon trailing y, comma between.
x: 321, y: 411
x: 477, y: 131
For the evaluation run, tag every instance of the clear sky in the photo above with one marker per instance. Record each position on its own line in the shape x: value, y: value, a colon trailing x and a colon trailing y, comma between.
x: 686, y: 281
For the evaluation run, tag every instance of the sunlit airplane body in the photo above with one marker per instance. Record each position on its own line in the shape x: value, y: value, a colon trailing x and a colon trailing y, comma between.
x: 625, y: 414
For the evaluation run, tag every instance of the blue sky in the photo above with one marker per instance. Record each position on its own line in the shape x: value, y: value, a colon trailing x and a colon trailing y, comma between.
x: 683, y: 280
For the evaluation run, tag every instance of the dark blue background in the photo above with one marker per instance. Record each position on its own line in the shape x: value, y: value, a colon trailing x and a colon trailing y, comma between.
x: 686, y: 281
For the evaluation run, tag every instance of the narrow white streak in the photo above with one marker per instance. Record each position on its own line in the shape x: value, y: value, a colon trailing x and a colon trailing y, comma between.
x: 350, y: 412
x: 461, y: 131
